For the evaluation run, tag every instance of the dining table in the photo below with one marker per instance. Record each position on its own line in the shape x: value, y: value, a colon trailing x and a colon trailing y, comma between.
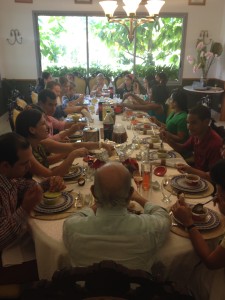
x: 176, y: 259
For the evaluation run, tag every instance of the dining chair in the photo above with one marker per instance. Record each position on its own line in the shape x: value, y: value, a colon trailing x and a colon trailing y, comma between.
x: 81, y: 83
x: 104, y: 280
x: 15, y: 106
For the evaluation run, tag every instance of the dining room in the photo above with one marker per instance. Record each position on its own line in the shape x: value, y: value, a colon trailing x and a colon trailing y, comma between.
x: 19, y: 65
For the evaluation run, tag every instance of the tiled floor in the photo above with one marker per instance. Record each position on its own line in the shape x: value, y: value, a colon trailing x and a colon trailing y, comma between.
x: 4, y: 124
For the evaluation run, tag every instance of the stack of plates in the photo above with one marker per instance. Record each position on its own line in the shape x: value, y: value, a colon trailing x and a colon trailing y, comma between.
x: 74, y: 172
x: 65, y: 202
x: 212, y: 221
x: 178, y: 182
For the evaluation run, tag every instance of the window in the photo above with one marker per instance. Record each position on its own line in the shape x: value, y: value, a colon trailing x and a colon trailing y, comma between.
x: 88, y: 43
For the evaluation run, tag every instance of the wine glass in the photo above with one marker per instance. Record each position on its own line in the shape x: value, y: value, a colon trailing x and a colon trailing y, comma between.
x: 165, y: 182
x: 138, y: 180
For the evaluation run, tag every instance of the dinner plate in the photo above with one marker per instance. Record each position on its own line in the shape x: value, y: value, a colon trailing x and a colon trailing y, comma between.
x: 212, y: 221
x: 160, y: 171
x: 154, y: 154
x: 65, y: 202
x: 74, y: 172
x: 178, y: 182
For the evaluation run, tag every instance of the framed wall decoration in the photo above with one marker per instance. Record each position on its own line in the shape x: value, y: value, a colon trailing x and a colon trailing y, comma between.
x: 24, y: 1
x: 196, y: 2
x: 83, y: 1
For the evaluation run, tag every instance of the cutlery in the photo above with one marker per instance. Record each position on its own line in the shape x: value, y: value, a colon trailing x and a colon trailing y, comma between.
x: 199, y: 206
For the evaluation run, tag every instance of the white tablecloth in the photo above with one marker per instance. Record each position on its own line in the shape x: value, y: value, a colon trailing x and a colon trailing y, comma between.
x: 175, y: 260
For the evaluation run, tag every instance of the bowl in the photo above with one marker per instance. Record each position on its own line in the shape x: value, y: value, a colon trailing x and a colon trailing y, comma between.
x: 75, y: 117
x: 51, y: 198
x: 192, y: 179
x: 200, y: 216
x: 162, y: 153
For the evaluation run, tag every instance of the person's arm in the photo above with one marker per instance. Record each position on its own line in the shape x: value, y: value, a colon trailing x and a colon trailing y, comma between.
x: 62, y: 169
x: 57, y: 147
x: 13, y: 224
x: 175, y: 137
x: 212, y: 259
x: 145, y: 107
x: 184, y: 168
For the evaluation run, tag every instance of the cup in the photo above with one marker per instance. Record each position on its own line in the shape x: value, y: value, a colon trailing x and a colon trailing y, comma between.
x: 146, y: 172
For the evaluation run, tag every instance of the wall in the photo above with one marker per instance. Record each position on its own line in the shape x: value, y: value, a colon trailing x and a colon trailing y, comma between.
x: 19, y: 61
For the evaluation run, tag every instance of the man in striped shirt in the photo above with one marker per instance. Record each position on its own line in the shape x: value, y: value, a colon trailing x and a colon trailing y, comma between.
x: 18, y: 197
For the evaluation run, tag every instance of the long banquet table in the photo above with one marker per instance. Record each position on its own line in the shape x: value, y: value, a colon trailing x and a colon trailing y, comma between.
x: 174, y: 261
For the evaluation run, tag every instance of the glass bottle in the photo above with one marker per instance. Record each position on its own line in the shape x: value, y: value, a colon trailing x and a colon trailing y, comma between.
x: 108, y: 126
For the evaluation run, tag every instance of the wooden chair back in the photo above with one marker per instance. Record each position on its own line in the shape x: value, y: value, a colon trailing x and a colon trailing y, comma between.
x: 81, y: 83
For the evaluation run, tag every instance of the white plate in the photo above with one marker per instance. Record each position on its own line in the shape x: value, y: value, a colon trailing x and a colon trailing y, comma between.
x: 154, y: 155
x: 178, y: 182
x: 212, y: 221
x: 65, y: 201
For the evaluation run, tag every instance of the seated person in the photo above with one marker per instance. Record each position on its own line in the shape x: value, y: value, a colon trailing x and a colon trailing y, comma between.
x: 18, y: 197
x: 156, y: 104
x: 61, y: 110
x: 41, y: 82
x: 204, y: 142
x: 130, y: 85
x: 107, y: 231
x: 47, y: 102
x: 31, y: 125
x: 205, y: 283
x: 71, y: 98
x: 70, y: 77
x: 98, y: 87
x: 176, y: 123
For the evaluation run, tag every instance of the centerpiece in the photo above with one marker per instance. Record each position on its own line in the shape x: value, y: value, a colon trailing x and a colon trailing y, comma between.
x: 207, y: 52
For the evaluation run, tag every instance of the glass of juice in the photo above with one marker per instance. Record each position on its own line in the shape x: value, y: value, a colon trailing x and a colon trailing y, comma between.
x: 146, y: 172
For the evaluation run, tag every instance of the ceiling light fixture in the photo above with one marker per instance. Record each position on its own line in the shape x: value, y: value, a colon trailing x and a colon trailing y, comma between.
x: 131, y: 21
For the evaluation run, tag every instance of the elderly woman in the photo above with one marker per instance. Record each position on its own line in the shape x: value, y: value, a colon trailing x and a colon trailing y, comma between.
x: 97, y: 88
x: 206, y: 284
x: 31, y: 124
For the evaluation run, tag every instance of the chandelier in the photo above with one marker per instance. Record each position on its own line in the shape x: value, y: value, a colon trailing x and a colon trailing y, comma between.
x: 131, y: 22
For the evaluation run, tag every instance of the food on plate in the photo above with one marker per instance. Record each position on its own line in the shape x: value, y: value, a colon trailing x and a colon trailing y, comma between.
x: 192, y: 179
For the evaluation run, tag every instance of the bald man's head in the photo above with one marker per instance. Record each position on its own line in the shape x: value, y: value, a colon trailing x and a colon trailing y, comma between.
x: 112, y: 186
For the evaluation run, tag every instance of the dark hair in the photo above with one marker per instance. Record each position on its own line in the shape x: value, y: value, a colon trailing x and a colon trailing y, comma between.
x: 150, y: 80
x: 45, y: 75
x: 63, y: 80
x: 51, y: 84
x: 201, y: 111
x: 45, y: 94
x: 180, y: 97
x: 163, y: 77
x: 41, y: 80
x: 10, y: 144
x: 217, y: 173
x: 25, y: 120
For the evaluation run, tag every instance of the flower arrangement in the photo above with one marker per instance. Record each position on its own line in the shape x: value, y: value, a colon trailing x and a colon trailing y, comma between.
x: 206, y: 54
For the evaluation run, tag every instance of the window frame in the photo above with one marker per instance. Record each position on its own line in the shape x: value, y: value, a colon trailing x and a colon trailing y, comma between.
x: 35, y: 15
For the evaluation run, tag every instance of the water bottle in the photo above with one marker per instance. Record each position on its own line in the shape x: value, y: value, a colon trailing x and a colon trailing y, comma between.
x: 108, y: 126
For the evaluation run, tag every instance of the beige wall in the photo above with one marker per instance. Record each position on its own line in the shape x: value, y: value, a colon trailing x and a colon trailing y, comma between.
x: 19, y: 61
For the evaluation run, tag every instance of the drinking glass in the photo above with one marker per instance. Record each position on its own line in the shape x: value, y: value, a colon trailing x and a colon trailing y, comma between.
x: 146, y: 172
x: 138, y: 180
x: 165, y: 193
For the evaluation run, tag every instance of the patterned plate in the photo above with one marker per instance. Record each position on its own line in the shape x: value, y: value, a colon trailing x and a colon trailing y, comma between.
x: 154, y: 155
x: 212, y: 221
x: 74, y: 172
x: 178, y: 182
x: 66, y: 201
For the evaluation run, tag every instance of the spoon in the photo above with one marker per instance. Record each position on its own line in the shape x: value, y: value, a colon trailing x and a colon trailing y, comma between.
x: 198, y: 208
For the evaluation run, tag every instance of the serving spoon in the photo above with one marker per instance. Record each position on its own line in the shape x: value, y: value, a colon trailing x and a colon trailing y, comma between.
x: 198, y: 208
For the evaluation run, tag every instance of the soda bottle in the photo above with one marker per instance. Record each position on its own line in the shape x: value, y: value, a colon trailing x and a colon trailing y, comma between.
x: 100, y: 104
x: 111, y: 89
x: 108, y: 126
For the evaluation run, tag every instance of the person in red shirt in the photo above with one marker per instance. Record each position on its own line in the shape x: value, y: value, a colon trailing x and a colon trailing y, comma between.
x: 204, y: 142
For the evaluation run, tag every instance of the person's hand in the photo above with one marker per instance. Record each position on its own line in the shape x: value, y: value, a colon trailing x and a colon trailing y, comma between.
x: 32, y: 197
x: 182, y: 212
x: 108, y: 147
x: 81, y: 152
x: 56, y: 184
x: 184, y: 168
